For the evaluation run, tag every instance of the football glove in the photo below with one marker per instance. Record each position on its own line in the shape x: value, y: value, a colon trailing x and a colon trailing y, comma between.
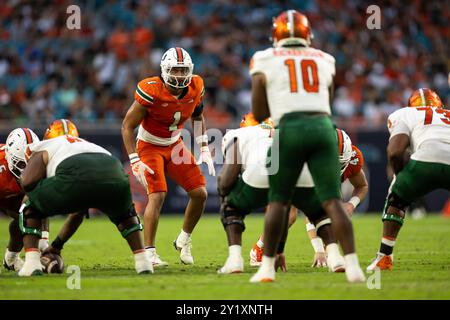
x: 139, y: 168
x: 205, y: 156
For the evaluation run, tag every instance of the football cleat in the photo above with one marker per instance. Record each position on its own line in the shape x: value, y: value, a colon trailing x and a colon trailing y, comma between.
x: 232, y: 265
x: 382, y: 262
x: 155, y: 259
x: 256, y: 256
x: 31, y: 268
x: 263, y: 275
x: 354, y: 274
x: 185, y: 250
x: 144, y: 266
x: 13, y: 264
x: 336, y: 263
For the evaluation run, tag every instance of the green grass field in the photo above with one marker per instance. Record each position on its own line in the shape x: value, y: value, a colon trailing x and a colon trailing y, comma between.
x: 421, y: 270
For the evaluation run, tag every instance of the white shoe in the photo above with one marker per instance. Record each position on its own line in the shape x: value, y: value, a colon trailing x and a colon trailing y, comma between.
x: 263, y: 275
x: 355, y: 274
x: 155, y: 259
x: 143, y: 265
x: 232, y: 265
x: 185, y: 250
x: 31, y: 268
x: 336, y: 263
x: 13, y: 264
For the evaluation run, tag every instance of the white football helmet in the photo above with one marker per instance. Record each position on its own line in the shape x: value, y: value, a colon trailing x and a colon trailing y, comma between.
x: 16, y: 143
x: 177, y: 67
x: 345, y: 149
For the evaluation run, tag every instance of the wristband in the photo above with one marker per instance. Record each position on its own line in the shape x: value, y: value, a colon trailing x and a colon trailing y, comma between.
x: 133, y: 157
x: 317, y: 245
x: 310, y: 226
x: 58, y: 243
x: 202, y: 139
x: 354, y: 201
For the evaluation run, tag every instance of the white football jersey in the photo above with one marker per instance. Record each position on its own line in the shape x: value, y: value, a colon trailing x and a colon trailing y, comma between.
x: 63, y: 147
x: 253, y: 145
x: 428, y: 129
x: 297, y: 79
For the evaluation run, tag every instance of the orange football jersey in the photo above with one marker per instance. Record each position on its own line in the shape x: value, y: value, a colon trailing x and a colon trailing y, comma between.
x: 355, y: 165
x: 9, y: 186
x: 167, y: 113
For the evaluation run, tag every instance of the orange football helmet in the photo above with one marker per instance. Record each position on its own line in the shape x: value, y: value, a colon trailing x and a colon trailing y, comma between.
x: 60, y: 127
x: 424, y: 97
x: 249, y: 120
x: 291, y: 28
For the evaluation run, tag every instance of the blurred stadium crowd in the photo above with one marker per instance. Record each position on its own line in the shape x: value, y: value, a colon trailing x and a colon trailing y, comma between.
x: 48, y: 71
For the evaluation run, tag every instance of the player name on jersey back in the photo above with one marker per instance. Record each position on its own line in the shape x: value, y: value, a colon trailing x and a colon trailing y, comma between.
x: 297, y: 79
x: 428, y: 129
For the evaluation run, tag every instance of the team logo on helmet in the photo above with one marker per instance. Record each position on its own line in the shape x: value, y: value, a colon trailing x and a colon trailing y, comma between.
x: 291, y: 28
x: 16, y: 144
x: 61, y: 127
x: 177, y: 68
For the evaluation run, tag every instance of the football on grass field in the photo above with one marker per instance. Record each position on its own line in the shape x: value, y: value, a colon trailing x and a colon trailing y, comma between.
x: 53, y: 263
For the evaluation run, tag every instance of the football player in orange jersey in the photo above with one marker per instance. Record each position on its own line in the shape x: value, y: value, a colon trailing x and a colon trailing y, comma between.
x: 352, y: 162
x: 162, y: 105
x: 12, y: 163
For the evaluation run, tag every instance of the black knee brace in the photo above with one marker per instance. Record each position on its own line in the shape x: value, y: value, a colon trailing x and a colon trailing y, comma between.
x: 396, y: 204
x: 230, y: 215
x: 133, y: 226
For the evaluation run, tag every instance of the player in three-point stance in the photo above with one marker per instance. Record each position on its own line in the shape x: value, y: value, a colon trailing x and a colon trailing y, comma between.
x: 243, y: 186
x: 68, y: 174
x: 12, y: 163
x: 423, y: 126
x: 352, y: 161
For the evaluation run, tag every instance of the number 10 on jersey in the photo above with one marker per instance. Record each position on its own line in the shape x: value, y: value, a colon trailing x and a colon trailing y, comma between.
x: 309, y: 75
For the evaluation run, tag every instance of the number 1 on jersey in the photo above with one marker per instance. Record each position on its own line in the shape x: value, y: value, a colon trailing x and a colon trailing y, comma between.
x: 309, y: 75
x: 176, y: 119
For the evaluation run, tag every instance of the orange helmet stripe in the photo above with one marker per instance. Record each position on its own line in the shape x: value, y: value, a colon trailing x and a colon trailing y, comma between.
x: 28, y: 135
x: 179, y: 54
